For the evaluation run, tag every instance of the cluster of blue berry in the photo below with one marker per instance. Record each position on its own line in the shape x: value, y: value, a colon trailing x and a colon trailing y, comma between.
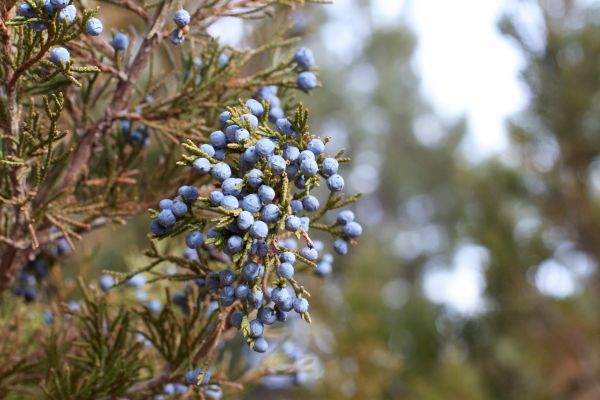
x: 257, y: 210
x: 182, y: 20
x: 46, y: 11
x: 30, y: 278
x: 305, y: 61
x: 139, y: 135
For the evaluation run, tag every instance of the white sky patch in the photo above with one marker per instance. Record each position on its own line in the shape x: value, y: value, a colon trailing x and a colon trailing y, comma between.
x: 468, y: 67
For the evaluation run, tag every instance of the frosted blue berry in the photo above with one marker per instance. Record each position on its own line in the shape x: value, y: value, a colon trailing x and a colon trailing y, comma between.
x: 192, y: 376
x: 297, y: 206
x: 235, y: 244
x: 251, y: 203
x: 179, y: 208
x: 259, y: 230
x: 245, y: 220
x: 345, y: 217
x: 260, y: 345
x: 284, y: 126
x: 93, y: 27
x: 292, y: 171
x: 157, y: 229
x: 316, y: 146
x: 230, y: 203
x: 230, y: 132
x: 291, y: 153
x: 106, y: 282
x: 232, y: 186
x: 255, y: 107
x: 194, y: 239
x: 219, y: 154
x: 254, y: 178
x: 323, y: 268
x: 277, y: 164
x: 67, y: 14
x: 269, y: 213
x: 300, y: 305
x: 188, y: 193
x: 216, y: 197
x: 275, y: 113
x: 310, y: 203
x: 59, y: 55
x: 304, y: 58
x: 309, y: 167
x: 266, y: 193
x: 306, y: 81
x: 181, y: 18
x: 25, y: 10
x: 309, y: 253
x: 280, y: 296
x: 221, y: 171
x: 286, y: 271
x: 270, y: 90
x: 241, y: 292
x: 208, y: 149
x: 256, y: 328
x: 250, y: 155
x: 166, y: 218
x: 136, y: 281
x: 287, y: 257
x: 352, y: 230
x: 292, y: 223
x: 251, y: 270
x: 305, y: 221
x: 306, y: 155
x: 335, y: 183
x: 227, y: 295
x: 236, y: 319
x: 341, y: 247
x: 223, y: 59
x: 177, y: 37
x: 265, y: 147
x: 59, y: 3
x: 330, y: 166
x: 223, y: 118
x: 241, y: 135
x: 202, y: 165
x: 120, y: 41
x: 266, y: 315
x: 218, y: 139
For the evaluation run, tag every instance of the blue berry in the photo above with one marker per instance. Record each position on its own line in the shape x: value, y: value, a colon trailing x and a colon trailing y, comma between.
x: 275, y: 113
x: 125, y: 127
x: 305, y: 221
x: 255, y: 107
x: 292, y: 223
x: 310, y: 203
x: 341, y: 247
x: 181, y: 18
x: 177, y: 37
x: 256, y: 328
x: 221, y: 171
x: 265, y: 147
x: 297, y: 206
x: 330, y: 166
x: 266, y: 315
x: 25, y: 10
x: 281, y: 315
x: 269, y: 213
x: 250, y: 155
x: 236, y: 319
x: 235, y: 244
x: 259, y: 230
x: 216, y: 197
x: 218, y: 139
x: 227, y: 295
x: 242, y: 291
x: 309, y: 253
x: 154, y: 306
x: 194, y: 239
x: 291, y: 153
x: 230, y: 132
x: 223, y: 118
x: 304, y: 58
x: 277, y: 164
x: 230, y: 202
x: 306, y: 155
x: 316, y: 146
x: 93, y: 26
x: 106, y: 282
x: 286, y: 271
x: 192, y: 376
x: 179, y: 208
x: 260, y: 345
x: 254, y: 178
x: 136, y: 281
x: 59, y: 55
x: 266, y: 193
x: 251, y: 203
x: 208, y: 149
x: 202, y: 165
x: 270, y: 90
x: 352, y: 230
x: 232, y: 186
x: 223, y: 59
x: 29, y: 294
x: 166, y: 218
x: 335, y: 183
x: 284, y: 126
x: 157, y: 229
x: 120, y: 41
x: 219, y: 154
x: 188, y: 193
x: 328, y: 258
x: 165, y: 204
x: 306, y: 81
x: 280, y: 296
x: 67, y: 14
x: 251, y: 270
x: 38, y: 26
x: 345, y: 217
x: 245, y: 220
x: 300, y: 305
x: 287, y: 257
x: 309, y: 167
